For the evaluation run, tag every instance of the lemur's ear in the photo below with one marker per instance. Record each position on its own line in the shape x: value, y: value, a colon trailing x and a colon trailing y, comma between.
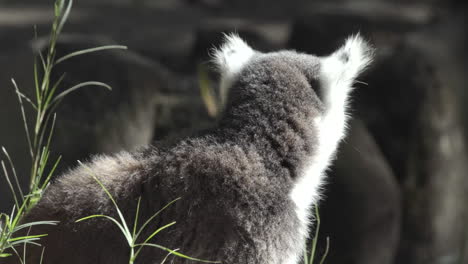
x: 345, y: 64
x: 233, y: 55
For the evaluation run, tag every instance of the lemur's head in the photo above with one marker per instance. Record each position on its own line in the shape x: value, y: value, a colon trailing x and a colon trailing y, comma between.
x: 291, y: 72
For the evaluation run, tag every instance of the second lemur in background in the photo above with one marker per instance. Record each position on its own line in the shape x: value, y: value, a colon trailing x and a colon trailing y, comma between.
x: 247, y: 186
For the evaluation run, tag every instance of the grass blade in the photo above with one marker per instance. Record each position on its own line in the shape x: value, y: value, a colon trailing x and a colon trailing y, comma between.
x: 152, y: 235
x: 64, y: 17
x: 325, y: 254
x: 175, y: 252
x: 87, y: 51
x: 159, y: 230
x: 43, y: 63
x: 315, y: 239
x: 52, y: 91
x: 58, y: 7
x: 51, y: 131
x: 23, y: 114
x: 26, y: 238
x: 36, y: 79
x: 119, y: 225
x: 51, y: 172
x: 167, y: 256
x: 122, y: 219
x: 17, y: 254
x: 27, y: 99
x: 136, y: 216
x: 27, y: 225
x: 78, y: 86
x: 9, y: 183
x: 26, y: 241
x: 42, y: 256
x: 18, y: 186
x: 154, y: 216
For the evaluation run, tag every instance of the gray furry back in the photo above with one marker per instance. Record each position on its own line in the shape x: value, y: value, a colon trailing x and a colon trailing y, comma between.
x: 246, y: 186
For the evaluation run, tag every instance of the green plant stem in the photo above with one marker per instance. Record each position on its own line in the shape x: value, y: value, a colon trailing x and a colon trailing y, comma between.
x: 315, y: 239
x: 132, y: 255
x: 40, y: 135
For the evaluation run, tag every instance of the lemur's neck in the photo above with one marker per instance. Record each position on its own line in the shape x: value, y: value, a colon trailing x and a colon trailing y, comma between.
x: 281, y: 131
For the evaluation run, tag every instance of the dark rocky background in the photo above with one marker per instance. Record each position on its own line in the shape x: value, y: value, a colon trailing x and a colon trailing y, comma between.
x: 398, y: 191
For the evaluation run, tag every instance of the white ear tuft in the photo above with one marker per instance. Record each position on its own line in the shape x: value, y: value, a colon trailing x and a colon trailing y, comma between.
x: 233, y: 55
x: 345, y: 64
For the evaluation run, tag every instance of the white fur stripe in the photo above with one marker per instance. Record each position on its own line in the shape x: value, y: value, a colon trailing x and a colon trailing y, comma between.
x: 337, y: 75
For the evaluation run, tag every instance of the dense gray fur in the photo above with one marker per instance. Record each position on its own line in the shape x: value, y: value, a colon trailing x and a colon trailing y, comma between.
x: 235, y: 181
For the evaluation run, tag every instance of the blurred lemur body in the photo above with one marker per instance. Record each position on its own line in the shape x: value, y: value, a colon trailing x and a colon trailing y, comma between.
x: 246, y: 186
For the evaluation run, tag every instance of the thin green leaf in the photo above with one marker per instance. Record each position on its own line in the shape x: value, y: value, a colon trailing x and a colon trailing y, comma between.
x: 45, y: 79
x: 42, y: 255
x: 159, y: 230
x: 23, y: 114
x: 15, y: 220
x: 44, y: 125
x: 315, y: 239
x: 5, y: 255
x: 51, y: 131
x: 43, y: 161
x: 25, y: 238
x: 152, y: 235
x: 52, y: 91
x: 51, y: 172
x: 89, y: 217
x: 5, y: 172
x: 25, y: 245
x: 27, y: 100
x: 17, y: 254
x: 43, y: 63
x: 64, y: 17
x: 119, y: 225
x: 18, y: 186
x: 27, y: 225
x: 122, y: 219
x: 87, y: 51
x: 36, y: 81
x: 29, y: 241
x: 58, y: 7
x: 135, y: 223
x: 78, y: 86
x: 154, y: 216
x: 167, y: 256
x: 325, y: 254
x: 175, y: 252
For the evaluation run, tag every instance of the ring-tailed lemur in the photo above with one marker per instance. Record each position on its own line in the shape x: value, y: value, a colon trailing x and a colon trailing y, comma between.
x: 246, y: 186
